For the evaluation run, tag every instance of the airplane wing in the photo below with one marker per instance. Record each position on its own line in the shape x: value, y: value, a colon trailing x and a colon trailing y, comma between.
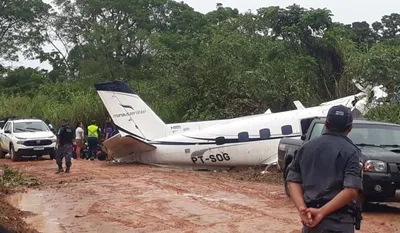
x: 298, y: 104
x: 127, y: 145
x: 346, y: 101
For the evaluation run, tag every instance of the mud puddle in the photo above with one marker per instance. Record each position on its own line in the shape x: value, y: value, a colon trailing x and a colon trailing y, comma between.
x: 42, y: 218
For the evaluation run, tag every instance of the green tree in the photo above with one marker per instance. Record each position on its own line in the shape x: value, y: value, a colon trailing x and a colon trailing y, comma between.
x: 22, y: 23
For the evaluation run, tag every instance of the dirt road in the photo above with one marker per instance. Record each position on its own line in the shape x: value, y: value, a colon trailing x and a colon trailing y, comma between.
x: 103, y: 197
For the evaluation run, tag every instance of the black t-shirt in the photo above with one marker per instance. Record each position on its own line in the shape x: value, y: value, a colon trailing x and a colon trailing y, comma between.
x: 66, y: 135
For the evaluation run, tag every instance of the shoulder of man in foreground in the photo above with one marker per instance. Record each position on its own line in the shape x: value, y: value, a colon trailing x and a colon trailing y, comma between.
x: 294, y: 171
x: 353, y: 175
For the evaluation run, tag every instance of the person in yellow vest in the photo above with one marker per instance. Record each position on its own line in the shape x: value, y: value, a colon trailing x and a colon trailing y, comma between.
x: 93, y: 135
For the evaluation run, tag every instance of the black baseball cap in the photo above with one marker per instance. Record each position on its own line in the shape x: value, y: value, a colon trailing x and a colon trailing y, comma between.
x: 339, y: 117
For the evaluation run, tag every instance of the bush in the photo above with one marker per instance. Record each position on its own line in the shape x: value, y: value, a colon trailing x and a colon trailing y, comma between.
x: 386, y: 113
x: 55, y: 102
x: 79, y: 101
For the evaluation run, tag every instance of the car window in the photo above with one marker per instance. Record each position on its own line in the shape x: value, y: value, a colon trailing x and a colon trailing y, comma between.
x: 375, y: 134
x: 317, y: 130
x: 305, y: 124
x: 7, y: 126
x: 35, y: 126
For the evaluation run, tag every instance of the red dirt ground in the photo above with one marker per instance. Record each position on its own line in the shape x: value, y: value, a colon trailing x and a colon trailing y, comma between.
x: 104, y: 197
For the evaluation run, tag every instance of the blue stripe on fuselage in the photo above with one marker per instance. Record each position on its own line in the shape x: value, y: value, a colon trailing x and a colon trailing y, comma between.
x: 213, y: 141
x: 205, y: 141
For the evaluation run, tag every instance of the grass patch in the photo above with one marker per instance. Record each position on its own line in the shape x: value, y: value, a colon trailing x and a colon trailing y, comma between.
x: 14, y: 178
x: 11, y: 218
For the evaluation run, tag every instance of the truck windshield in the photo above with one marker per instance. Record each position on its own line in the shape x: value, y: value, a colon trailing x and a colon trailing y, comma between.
x: 375, y: 134
x: 368, y: 134
x: 35, y: 126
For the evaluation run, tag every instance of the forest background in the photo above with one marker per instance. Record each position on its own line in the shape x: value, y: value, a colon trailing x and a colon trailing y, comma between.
x: 187, y: 65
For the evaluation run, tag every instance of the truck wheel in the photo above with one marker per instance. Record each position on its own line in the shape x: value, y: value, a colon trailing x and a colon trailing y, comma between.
x: 14, y: 156
x: 2, y: 154
x: 52, y: 155
x: 286, y: 184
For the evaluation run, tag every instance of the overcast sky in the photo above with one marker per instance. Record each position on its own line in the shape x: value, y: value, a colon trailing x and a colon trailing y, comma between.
x: 345, y: 11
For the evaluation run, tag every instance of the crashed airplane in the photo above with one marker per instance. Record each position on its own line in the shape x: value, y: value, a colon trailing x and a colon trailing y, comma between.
x: 247, y: 141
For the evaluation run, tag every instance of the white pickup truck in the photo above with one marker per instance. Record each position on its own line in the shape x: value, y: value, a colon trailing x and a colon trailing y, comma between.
x: 26, y: 138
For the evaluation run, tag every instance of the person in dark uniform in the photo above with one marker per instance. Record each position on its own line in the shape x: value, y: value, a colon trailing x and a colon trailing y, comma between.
x: 65, y: 150
x: 325, y: 177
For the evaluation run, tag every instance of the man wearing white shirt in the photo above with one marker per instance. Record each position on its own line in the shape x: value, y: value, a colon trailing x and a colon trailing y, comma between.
x: 79, y: 139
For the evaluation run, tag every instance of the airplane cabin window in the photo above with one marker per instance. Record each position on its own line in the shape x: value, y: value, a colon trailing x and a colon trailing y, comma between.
x: 187, y: 150
x: 265, y: 133
x: 220, y: 140
x: 243, y: 137
x: 286, y: 129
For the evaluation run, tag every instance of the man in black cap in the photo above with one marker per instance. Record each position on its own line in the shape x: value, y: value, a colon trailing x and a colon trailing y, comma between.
x: 325, y: 177
x: 65, y: 149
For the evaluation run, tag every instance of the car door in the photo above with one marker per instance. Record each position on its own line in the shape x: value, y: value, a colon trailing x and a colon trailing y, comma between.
x: 6, y: 137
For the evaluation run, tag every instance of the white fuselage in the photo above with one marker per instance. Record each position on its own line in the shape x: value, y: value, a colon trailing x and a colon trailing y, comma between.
x: 243, y: 141
x: 199, y: 125
x: 198, y: 148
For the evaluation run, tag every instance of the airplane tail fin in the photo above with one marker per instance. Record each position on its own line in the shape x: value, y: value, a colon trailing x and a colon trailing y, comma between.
x: 129, y: 112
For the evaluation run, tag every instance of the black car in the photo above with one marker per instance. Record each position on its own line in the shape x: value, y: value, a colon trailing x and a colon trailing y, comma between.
x: 380, y: 146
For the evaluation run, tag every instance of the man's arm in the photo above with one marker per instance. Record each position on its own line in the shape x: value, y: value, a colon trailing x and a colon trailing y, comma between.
x: 296, y: 193
x: 352, y: 184
x: 58, y: 134
x: 295, y: 181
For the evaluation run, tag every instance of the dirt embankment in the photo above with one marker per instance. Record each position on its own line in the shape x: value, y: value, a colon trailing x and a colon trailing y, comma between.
x: 103, y: 197
x: 11, y: 218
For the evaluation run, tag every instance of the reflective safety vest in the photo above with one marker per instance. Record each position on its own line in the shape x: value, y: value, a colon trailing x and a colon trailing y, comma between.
x: 92, y: 131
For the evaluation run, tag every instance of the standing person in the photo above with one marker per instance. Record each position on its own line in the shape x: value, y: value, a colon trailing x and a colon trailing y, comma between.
x: 325, y: 177
x: 93, y: 138
x: 49, y: 125
x: 108, y: 130
x: 79, y: 139
x: 64, y: 150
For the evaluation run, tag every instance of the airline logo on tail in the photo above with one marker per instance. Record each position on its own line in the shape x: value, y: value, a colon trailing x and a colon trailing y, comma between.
x: 127, y: 106
x: 138, y: 112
